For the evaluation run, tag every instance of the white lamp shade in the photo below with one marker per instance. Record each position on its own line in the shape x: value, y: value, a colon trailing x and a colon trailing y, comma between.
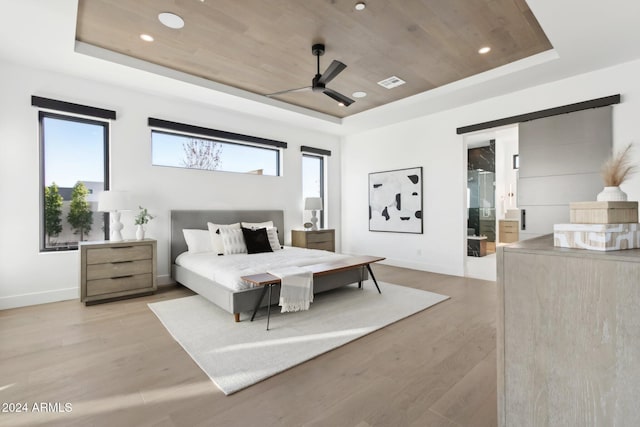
x: 313, y: 204
x: 112, y: 201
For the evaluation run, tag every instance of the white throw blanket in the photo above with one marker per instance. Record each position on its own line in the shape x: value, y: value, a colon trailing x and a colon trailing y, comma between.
x: 296, y: 290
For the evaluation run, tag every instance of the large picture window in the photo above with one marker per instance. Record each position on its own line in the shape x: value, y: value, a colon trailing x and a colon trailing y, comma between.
x: 74, y: 171
x: 198, y: 152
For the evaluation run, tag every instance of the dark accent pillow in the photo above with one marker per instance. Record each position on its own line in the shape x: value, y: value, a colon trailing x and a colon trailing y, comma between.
x: 257, y: 240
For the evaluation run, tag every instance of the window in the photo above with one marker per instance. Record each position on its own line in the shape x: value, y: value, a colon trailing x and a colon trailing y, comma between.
x: 195, y: 147
x: 73, y: 173
x: 196, y: 152
x: 313, y: 183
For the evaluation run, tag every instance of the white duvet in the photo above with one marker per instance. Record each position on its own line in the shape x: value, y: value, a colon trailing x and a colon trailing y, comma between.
x: 227, y: 269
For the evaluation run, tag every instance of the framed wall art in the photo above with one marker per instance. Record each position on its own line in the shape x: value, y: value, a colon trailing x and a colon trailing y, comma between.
x: 395, y: 201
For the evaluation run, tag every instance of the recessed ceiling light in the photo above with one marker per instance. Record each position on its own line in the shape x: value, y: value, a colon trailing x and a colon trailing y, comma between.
x: 360, y: 5
x: 146, y: 37
x: 340, y: 104
x: 171, y: 20
x: 359, y: 94
x: 483, y: 50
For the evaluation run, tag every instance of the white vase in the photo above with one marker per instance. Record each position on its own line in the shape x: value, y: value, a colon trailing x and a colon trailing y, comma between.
x: 140, y: 232
x: 612, y: 194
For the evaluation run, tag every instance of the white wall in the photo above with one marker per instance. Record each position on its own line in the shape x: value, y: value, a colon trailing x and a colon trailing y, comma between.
x: 432, y: 142
x: 29, y: 277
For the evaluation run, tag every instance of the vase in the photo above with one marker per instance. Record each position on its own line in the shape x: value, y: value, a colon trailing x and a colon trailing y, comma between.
x: 140, y: 232
x: 612, y: 194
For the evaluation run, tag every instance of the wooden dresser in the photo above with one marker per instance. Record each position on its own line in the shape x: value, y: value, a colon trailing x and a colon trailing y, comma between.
x: 316, y: 239
x: 568, y: 340
x: 508, y: 231
x: 111, y: 270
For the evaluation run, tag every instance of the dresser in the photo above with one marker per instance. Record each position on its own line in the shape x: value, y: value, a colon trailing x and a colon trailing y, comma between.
x: 314, y: 239
x: 568, y: 340
x: 508, y: 230
x: 110, y: 270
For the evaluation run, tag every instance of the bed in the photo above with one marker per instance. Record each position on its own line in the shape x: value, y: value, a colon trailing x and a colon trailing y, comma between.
x: 243, y: 298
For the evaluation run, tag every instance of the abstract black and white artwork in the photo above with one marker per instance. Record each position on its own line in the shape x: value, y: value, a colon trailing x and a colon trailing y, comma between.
x: 395, y: 201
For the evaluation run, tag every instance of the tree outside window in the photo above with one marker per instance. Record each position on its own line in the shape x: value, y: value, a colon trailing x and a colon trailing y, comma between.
x: 80, y: 216
x: 52, y: 212
x: 201, y: 154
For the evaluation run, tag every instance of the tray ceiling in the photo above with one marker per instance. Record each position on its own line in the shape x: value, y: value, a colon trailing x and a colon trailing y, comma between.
x: 264, y: 46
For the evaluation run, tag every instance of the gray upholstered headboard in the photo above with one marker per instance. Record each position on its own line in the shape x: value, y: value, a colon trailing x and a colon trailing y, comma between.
x: 197, y: 219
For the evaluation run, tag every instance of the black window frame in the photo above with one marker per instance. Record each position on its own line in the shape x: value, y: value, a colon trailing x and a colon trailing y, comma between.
x: 217, y: 135
x: 42, y: 114
x: 277, y: 150
x: 322, y: 182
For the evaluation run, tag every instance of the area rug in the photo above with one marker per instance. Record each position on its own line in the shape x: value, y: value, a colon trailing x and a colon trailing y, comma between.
x: 237, y: 355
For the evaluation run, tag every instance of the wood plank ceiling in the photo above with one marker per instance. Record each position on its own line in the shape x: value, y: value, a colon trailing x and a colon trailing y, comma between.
x: 264, y: 46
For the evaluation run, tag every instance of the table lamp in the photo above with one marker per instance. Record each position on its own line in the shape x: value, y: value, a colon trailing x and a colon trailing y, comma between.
x: 114, y: 202
x: 313, y: 204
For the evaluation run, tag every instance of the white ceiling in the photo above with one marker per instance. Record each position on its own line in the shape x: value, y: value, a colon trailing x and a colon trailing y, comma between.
x: 586, y: 35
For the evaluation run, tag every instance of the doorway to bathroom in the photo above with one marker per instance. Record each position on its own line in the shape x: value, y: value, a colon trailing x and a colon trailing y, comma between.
x: 491, y: 208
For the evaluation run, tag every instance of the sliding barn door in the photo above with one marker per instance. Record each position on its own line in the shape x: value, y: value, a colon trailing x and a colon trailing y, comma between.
x: 560, y: 160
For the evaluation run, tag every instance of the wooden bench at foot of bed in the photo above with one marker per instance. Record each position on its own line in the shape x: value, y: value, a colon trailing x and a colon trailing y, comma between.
x: 351, y: 263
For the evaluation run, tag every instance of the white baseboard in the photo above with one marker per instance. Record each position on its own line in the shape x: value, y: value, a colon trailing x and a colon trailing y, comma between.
x: 165, y: 279
x: 418, y: 266
x: 35, y: 298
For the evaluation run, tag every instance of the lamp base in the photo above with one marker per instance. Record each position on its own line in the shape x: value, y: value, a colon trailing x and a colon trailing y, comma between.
x: 116, y: 227
x: 314, y: 221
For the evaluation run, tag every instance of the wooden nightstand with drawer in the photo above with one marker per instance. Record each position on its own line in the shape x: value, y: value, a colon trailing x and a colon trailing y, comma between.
x: 115, y: 270
x: 508, y: 231
x: 314, y: 239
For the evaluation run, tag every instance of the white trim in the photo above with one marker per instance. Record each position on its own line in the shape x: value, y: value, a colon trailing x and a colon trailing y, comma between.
x: 440, y: 269
x: 166, y: 279
x: 35, y: 298
x: 432, y: 268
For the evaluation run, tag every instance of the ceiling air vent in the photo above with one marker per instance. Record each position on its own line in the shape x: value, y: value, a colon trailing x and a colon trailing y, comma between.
x: 391, y: 82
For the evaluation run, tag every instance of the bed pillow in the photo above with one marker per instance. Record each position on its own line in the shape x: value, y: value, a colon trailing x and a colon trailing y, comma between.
x: 197, y: 240
x: 272, y: 233
x: 254, y: 225
x: 216, y: 238
x: 257, y: 240
x: 233, y: 241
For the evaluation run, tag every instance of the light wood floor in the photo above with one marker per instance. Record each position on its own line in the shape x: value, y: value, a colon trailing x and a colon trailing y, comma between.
x: 117, y: 366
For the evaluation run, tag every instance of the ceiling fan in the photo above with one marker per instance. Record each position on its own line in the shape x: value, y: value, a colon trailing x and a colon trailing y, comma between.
x: 319, y: 82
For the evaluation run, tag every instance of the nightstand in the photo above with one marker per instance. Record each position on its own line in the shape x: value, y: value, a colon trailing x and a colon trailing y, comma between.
x: 110, y: 270
x: 314, y: 239
x: 508, y: 230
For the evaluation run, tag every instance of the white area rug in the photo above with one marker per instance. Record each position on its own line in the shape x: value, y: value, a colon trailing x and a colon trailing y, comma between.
x: 237, y: 355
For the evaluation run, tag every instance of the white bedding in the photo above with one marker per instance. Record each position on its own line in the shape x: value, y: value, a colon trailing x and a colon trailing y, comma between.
x: 227, y: 270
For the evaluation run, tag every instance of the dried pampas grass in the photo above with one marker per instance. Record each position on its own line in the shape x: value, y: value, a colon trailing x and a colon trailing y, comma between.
x: 618, y: 168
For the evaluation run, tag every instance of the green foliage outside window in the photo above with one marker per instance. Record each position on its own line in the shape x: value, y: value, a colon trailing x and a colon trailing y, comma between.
x: 80, y: 216
x: 52, y: 212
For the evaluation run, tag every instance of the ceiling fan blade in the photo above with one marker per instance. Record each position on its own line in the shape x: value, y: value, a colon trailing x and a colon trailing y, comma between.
x: 282, y: 92
x: 332, y: 71
x: 338, y: 97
